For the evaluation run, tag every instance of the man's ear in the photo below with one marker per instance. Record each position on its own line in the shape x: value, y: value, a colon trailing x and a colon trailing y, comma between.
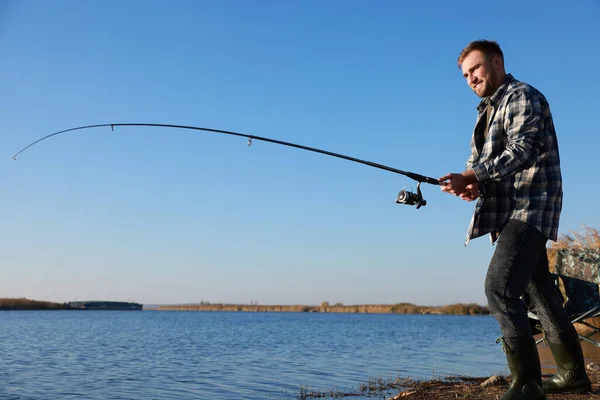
x: 498, y: 60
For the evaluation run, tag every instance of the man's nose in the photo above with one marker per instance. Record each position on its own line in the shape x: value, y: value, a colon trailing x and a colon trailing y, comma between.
x: 473, y: 80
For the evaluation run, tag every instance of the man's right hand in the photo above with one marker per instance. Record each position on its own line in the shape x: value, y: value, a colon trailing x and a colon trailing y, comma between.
x: 471, y: 192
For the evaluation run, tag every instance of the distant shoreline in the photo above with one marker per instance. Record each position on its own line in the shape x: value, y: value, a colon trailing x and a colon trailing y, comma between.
x: 401, y: 308
x: 23, y: 304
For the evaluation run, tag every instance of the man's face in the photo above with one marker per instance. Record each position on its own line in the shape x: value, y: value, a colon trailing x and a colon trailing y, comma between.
x: 480, y: 73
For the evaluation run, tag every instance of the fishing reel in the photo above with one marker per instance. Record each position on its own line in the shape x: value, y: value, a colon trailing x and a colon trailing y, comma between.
x: 410, y: 198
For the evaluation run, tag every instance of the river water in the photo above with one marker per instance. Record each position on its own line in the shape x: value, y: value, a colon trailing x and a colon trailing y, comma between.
x: 227, y: 355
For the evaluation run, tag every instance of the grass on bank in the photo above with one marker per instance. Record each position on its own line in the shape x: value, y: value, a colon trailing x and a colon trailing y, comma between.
x: 589, y: 238
x: 374, y: 387
x: 443, y: 388
x: 414, y: 389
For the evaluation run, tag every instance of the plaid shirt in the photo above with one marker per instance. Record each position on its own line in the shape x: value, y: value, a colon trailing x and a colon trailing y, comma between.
x: 516, y: 163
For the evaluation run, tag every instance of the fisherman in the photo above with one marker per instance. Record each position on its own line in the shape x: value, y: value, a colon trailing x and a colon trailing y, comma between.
x: 514, y: 174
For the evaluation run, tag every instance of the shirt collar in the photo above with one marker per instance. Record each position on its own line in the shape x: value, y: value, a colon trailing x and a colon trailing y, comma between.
x: 495, y: 98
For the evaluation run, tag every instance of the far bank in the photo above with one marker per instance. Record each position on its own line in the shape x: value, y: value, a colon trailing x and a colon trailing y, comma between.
x: 325, y: 307
x: 22, y: 304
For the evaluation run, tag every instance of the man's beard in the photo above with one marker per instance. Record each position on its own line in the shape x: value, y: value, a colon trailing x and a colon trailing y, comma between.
x: 492, y: 84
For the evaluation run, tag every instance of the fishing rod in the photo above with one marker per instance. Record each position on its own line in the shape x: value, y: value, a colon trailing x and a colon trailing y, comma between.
x: 404, y: 196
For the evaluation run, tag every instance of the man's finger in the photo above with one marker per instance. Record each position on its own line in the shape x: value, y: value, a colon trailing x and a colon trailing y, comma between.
x: 445, y: 177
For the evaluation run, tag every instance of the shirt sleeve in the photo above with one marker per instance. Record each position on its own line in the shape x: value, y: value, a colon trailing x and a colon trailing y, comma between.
x: 474, y: 157
x: 522, y: 124
x: 470, y: 162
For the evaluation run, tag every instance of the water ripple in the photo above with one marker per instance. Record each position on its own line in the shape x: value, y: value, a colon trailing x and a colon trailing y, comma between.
x: 183, y: 355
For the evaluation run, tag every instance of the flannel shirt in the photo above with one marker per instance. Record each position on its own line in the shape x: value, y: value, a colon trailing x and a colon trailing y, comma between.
x: 516, y: 162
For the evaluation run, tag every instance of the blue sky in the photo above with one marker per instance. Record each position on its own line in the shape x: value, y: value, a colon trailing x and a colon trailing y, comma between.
x: 172, y: 216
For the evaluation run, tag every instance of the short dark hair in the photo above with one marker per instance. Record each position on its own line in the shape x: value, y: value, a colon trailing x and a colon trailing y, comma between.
x: 487, y: 47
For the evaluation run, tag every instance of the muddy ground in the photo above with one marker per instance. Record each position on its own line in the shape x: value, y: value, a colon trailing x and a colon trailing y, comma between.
x: 471, y: 389
x: 441, y: 389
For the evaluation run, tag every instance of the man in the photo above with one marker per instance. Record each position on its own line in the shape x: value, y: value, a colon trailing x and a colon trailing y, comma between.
x: 514, y: 174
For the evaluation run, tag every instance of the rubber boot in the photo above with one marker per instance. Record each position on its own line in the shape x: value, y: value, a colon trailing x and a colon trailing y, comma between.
x: 570, y: 367
x: 524, y: 364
